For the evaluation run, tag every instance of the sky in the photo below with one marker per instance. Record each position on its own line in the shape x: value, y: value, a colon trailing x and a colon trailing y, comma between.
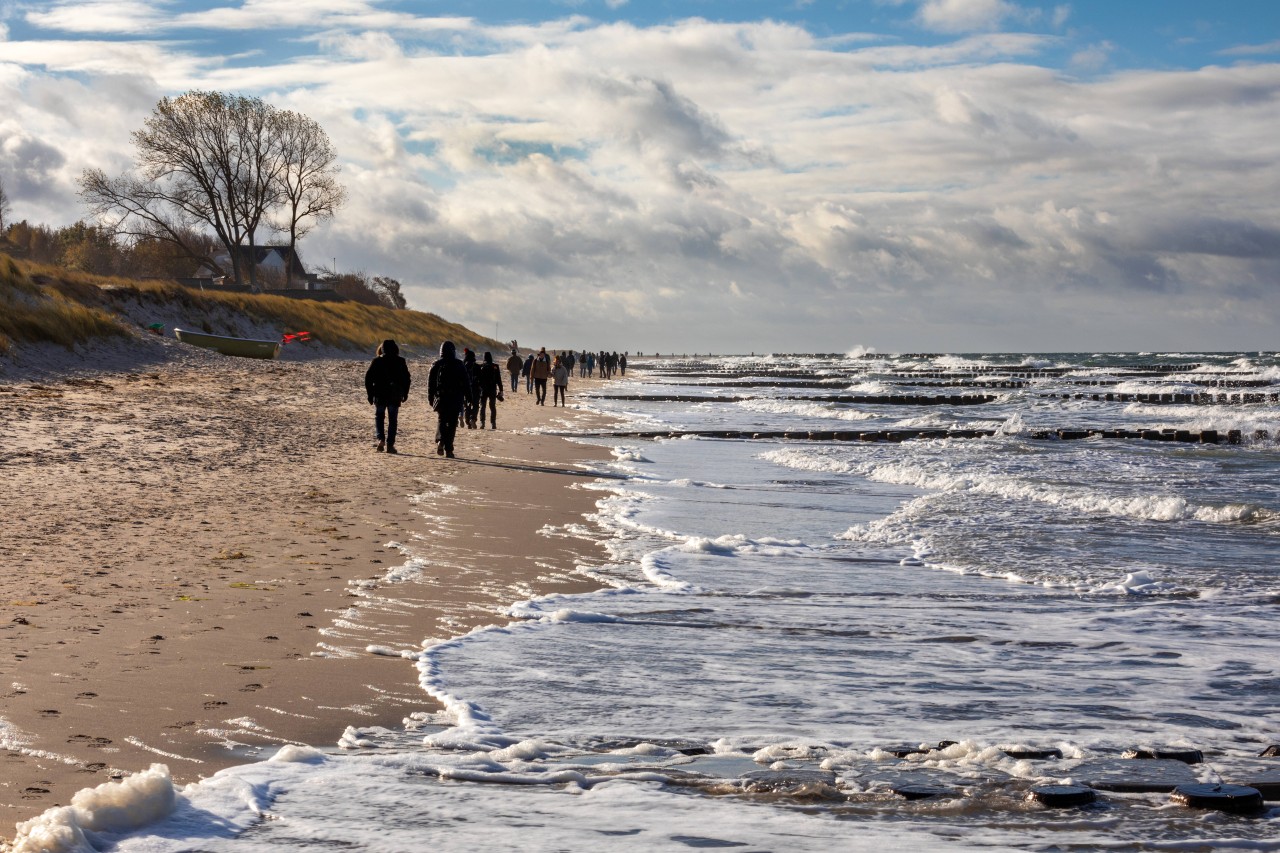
x: 730, y: 175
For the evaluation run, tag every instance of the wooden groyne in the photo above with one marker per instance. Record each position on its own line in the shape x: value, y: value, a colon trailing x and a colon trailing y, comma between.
x: 1208, y: 436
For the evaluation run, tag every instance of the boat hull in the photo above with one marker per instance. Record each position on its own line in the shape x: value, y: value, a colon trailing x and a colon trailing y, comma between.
x: 241, y: 347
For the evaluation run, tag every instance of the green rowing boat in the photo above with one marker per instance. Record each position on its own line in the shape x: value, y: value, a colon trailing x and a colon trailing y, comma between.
x: 243, y: 347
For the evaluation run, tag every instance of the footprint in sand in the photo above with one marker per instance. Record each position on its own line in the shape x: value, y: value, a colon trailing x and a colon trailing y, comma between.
x: 93, y: 767
x: 33, y: 793
x: 214, y: 703
x: 49, y: 712
x: 249, y: 688
x: 87, y: 695
x: 91, y: 742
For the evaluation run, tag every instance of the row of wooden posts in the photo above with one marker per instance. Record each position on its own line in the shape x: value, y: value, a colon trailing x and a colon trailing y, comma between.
x: 1208, y: 436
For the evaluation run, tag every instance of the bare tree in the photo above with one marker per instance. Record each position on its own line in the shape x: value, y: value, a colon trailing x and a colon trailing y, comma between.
x: 4, y: 207
x: 205, y: 160
x: 308, y: 178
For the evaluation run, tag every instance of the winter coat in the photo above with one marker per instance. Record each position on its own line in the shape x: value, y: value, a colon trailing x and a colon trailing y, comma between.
x: 541, y: 367
x: 528, y: 365
x: 561, y: 374
x: 387, y: 379
x: 514, y: 363
x: 449, y: 385
x: 489, y: 380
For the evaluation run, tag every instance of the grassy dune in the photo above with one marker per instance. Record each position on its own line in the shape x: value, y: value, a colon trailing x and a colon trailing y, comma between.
x: 49, y: 304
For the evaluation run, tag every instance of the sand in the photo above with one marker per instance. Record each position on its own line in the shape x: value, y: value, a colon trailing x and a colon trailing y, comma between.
x: 195, y: 558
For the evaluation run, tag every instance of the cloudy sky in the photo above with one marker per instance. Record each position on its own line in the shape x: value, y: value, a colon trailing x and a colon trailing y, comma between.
x: 731, y: 175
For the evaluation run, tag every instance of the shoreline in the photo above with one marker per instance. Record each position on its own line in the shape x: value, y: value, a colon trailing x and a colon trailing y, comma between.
x: 200, y: 555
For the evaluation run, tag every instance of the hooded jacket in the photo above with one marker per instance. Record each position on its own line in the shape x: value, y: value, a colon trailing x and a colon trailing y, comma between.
x: 387, y: 379
x: 489, y: 378
x: 449, y: 385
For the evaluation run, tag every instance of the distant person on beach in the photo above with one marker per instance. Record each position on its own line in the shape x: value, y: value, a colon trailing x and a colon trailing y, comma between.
x: 622, y: 364
x: 541, y: 372
x: 449, y: 390
x: 514, y: 363
x: 386, y: 383
x: 489, y: 383
x: 591, y: 364
x: 560, y: 381
x: 527, y: 370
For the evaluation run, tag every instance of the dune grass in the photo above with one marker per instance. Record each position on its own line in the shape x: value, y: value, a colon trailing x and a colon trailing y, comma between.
x: 33, y: 308
x: 39, y: 303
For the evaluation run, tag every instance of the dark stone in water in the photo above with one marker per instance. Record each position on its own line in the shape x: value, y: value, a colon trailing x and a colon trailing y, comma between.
x: 903, y: 750
x: 1062, y: 796
x: 1272, y: 751
x: 1033, y: 753
x: 1237, y: 799
x: 808, y: 784
x: 1186, y: 756
x: 923, y: 792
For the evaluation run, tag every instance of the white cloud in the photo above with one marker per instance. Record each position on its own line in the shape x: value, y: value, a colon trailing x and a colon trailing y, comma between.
x: 101, y: 16
x: 642, y: 182
x: 959, y: 16
x: 1270, y: 47
x: 1093, y: 57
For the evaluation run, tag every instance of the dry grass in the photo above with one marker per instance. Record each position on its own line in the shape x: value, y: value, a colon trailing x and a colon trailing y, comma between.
x: 39, y: 303
x: 34, y: 308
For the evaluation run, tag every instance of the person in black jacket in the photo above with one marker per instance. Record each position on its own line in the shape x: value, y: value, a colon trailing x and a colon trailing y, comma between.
x: 386, y: 383
x: 449, y: 389
x: 473, y: 370
x: 489, y: 383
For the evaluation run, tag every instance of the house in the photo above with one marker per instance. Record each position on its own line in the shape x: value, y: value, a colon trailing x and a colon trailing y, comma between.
x: 278, y: 268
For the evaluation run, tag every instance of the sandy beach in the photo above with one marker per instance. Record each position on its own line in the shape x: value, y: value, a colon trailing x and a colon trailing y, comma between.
x: 190, y: 554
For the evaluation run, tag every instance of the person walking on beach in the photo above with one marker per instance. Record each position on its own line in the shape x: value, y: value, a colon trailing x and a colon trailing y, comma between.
x: 541, y: 372
x: 473, y: 370
x: 527, y: 370
x: 514, y: 363
x: 449, y: 390
x: 489, y: 383
x: 386, y: 383
x: 560, y: 379
x: 622, y: 364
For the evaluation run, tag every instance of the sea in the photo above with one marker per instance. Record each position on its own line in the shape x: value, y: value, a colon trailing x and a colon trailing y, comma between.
x: 852, y: 601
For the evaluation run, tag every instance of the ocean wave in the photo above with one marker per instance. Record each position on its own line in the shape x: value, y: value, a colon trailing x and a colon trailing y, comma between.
x: 812, y: 410
x: 1152, y: 506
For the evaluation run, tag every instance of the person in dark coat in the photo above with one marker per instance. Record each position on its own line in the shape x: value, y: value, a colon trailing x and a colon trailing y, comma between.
x: 386, y: 383
x: 489, y: 384
x: 473, y: 370
x: 449, y: 389
x: 527, y: 371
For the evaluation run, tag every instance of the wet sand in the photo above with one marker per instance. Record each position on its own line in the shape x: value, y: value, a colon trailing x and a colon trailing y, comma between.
x: 194, y: 560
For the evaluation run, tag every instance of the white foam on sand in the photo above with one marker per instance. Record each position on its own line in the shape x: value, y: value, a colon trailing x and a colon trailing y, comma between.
x: 97, y: 813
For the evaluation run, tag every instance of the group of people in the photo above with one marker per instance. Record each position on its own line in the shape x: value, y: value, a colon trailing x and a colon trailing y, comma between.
x: 468, y: 391
x: 539, y: 367
x: 459, y: 390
